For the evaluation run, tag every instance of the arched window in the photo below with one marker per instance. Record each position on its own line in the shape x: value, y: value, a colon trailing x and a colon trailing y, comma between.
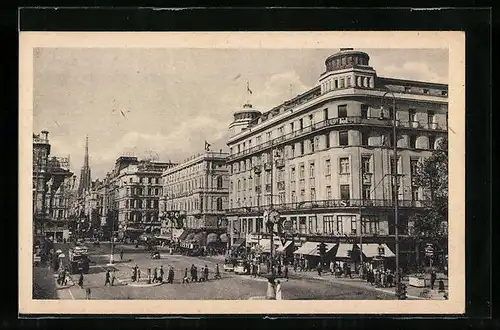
x: 219, y: 204
x: 219, y: 182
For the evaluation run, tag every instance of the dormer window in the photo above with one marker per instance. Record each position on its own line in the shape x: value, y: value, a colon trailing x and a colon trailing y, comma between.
x: 426, y: 91
x: 444, y: 93
x: 407, y: 89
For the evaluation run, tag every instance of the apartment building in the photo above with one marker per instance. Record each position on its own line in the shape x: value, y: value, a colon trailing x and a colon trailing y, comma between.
x: 324, y: 159
x: 129, y: 196
x: 199, y: 187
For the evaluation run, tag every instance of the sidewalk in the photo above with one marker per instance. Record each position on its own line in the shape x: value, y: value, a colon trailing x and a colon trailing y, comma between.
x: 412, y: 292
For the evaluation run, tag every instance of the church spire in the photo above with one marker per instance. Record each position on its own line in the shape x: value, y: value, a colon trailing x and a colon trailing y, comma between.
x: 85, y: 178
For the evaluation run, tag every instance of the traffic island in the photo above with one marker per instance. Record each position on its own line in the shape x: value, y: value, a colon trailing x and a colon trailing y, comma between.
x: 141, y: 283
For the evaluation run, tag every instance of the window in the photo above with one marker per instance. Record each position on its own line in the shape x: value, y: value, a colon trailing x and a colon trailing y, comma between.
x: 342, y: 83
x: 348, y: 83
x: 365, y: 164
x: 328, y: 224
x: 344, y: 165
x: 301, y: 172
x: 413, y: 167
x: 280, y: 131
x: 413, y: 141
x: 364, y: 111
x: 444, y: 93
x: 302, y: 195
x: 281, y: 197
x: 426, y: 91
x: 259, y: 139
x: 364, y: 138
x: 268, y: 136
x: 407, y: 89
x: 219, y: 204
x: 292, y: 174
x: 311, y: 119
x: 302, y: 148
x: 353, y: 225
x: 432, y: 142
x: 430, y: 117
x: 291, y: 127
x: 312, y: 224
x: 325, y: 114
x: 292, y: 150
x: 301, y: 124
x: 367, y: 192
x: 344, y: 192
x: 327, y: 140
x: 313, y: 194
x: 412, y: 115
x: 311, y: 144
x: 370, y: 224
x: 294, y: 197
x: 328, y: 192
x: 415, y: 194
x: 342, y: 111
x: 340, y: 224
x: 239, y: 185
x: 311, y: 170
x: 336, y: 83
x: 343, y: 138
x: 328, y: 167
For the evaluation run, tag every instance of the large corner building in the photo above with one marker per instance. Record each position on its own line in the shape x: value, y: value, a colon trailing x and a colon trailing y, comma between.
x: 323, y: 158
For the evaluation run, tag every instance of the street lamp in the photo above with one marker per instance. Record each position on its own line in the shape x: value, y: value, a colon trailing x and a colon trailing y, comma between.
x: 394, y: 185
x: 112, y: 250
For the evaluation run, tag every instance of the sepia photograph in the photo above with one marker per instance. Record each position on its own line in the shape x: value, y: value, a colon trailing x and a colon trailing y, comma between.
x: 211, y: 168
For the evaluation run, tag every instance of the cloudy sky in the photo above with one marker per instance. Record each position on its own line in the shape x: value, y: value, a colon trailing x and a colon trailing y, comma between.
x: 175, y: 99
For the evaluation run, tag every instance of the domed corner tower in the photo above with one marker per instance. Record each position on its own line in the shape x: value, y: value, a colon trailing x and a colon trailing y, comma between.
x: 243, y: 118
x: 347, y: 68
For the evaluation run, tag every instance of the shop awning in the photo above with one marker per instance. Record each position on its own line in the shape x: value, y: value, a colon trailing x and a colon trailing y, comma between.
x: 163, y: 237
x: 315, y: 251
x: 212, y: 238
x: 180, y: 234
x: 372, y: 250
x: 284, y: 247
x: 238, y: 242
x: 342, y: 250
x: 306, y: 248
x: 265, y: 244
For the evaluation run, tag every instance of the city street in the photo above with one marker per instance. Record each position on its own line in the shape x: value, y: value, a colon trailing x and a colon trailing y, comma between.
x: 230, y: 287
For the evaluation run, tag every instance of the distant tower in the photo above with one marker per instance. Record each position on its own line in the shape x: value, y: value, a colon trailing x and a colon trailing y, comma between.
x: 85, y: 179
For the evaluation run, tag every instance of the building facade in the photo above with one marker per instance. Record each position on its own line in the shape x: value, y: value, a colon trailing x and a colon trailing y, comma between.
x: 325, y: 159
x: 128, y: 198
x: 199, y: 187
x: 51, y: 195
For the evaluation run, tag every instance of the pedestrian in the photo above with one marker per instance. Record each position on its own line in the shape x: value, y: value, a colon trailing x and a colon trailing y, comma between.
x: 433, y: 278
x: 80, y: 280
x: 279, y: 269
x: 306, y: 264
x: 319, y: 268
x: 107, y: 278
x: 185, y: 279
x: 88, y: 294
x: 155, y: 277
x: 160, y: 279
x: 171, y: 275
x: 278, y: 290
x: 295, y: 265
x: 195, y: 276
x: 271, y: 290
x: 332, y: 267
x: 138, y: 273
x: 121, y: 255
x: 113, y: 278
x: 217, y: 272
x: 206, y: 273
x: 66, y: 276
x: 149, y: 275
x: 286, y: 272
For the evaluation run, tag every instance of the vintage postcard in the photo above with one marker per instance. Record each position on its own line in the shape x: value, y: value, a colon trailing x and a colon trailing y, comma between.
x: 186, y: 173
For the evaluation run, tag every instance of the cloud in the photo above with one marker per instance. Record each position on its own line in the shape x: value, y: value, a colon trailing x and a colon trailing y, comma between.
x: 413, y: 71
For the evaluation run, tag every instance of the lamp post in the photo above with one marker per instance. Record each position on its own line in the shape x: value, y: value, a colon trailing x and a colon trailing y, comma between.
x: 112, y: 250
x: 395, y: 186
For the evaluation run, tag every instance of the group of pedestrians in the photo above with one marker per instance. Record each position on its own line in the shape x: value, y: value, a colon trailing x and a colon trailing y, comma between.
x: 380, y: 277
x: 156, y: 275
x: 202, y: 277
x: 274, y: 290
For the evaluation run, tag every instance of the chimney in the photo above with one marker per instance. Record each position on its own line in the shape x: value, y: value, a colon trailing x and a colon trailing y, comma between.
x: 45, y: 134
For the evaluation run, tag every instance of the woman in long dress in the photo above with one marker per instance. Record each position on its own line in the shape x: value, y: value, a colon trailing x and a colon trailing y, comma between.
x: 278, y: 290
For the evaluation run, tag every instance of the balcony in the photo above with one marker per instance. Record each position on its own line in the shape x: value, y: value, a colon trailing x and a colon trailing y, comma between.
x: 268, y: 187
x: 280, y: 163
x: 332, y: 123
x: 257, y: 168
x: 258, y: 189
x: 330, y: 204
x: 268, y: 166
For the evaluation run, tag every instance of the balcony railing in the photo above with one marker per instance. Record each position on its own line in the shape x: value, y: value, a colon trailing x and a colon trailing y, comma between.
x: 334, y: 122
x: 257, y: 168
x: 268, y: 166
x: 329, y: 204
x: 268, y: 187
x: 258, y: 189
x: 367, y: 178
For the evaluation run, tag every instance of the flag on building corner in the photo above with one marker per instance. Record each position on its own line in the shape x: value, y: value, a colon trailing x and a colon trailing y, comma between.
x: 207, y: 146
